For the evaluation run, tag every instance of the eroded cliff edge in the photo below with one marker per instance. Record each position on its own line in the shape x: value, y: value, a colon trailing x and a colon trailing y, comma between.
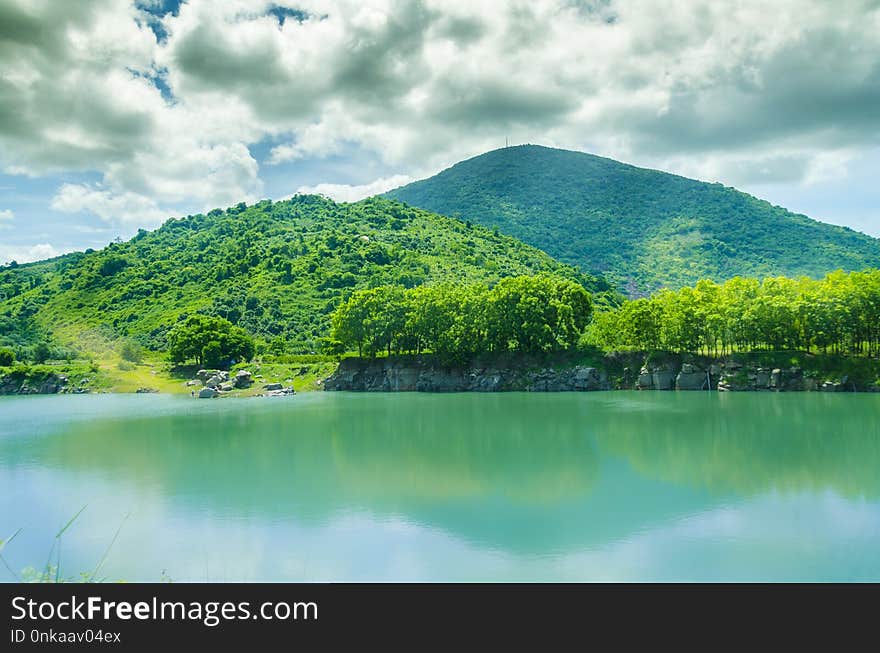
x: 632, y: 371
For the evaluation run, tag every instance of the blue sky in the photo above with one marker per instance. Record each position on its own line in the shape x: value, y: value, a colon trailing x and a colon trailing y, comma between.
x: 116, y: 114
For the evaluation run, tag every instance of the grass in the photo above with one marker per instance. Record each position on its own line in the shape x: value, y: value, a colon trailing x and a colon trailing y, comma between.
x: 304, y: 377
x: 110, y: 373
x: 51, y: 572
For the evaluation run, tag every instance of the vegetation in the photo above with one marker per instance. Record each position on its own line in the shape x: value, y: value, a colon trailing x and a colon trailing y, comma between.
x: 277, y: 270
x: 525, y: 314
x: 210, y: 341
x: 131, y: 352
x: 52, y: 570
x: 642, y: 228
x: 839, y: 314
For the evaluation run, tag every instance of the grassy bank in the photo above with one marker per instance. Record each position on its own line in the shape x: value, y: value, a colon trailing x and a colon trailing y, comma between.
x: 113, y: 374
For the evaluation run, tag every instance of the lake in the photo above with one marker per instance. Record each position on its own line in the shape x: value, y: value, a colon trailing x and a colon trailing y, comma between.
x: 649, y: 486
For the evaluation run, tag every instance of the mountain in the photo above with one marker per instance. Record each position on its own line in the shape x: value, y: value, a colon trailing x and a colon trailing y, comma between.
x: 278, y: 269
x: 642, y: 228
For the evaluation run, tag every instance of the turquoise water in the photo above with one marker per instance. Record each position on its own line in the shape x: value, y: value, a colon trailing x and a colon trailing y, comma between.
x: 357, y: 487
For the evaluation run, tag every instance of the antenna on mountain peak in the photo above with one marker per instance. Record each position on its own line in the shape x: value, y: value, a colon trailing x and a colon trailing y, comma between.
x: 506, y: 144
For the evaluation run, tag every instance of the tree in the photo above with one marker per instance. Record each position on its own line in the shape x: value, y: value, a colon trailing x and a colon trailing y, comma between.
x: 640, y: 324
x: 41, y: 352
x: 541, y: 313
x: 131, y: 352
x: 7, y: 356
x: 210, y: 341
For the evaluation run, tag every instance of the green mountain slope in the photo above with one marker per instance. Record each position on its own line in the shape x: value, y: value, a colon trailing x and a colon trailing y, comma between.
x: 643, y: 228
x: 277, y: 269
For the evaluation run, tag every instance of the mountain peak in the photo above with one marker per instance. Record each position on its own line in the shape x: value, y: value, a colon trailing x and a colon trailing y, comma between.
x: 645, y: 228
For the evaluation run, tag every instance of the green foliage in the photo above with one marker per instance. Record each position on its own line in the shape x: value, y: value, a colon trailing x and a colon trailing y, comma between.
x: 542, y: 313
x: 7, y: 357
x: 131, y: 351
x: 210, y: 341
x: 41, y: 352
x: 644, y: 229
x: 840, y: 314
x: 275, y: 269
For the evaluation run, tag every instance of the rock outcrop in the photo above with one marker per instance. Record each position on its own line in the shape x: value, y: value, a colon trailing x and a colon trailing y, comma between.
x: 425, y: 374
x: 692, y: 377
x: 659, y: 372
x: 17, y: 384
x: 738, y: 377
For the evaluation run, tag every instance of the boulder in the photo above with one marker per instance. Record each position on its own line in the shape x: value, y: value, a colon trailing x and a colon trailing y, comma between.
x: 662, y: 379
x: 776, y: 379
x: 50, y: 386
x: 281, y: 392
x: 587, y: 378
x: 225, y: 387
x: 207, y: 393
x: 242, y: 379
x: 214, y: 381
x: 272, y: 386
x: 762, y: 378
x: 694, y: 379
x: 645, y: 381
x: 193, y: 382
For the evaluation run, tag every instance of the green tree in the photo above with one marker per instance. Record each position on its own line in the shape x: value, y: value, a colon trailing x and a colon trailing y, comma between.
x: 41, y: 352
x: 209, y: 340
x: 131, y: 352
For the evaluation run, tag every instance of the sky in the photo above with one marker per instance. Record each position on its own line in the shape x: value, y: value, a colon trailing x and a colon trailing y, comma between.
x: 118, y: 114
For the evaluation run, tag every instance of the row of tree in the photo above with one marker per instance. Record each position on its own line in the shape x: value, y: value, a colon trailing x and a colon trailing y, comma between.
x: 525, y: 313
x: 840, y: 313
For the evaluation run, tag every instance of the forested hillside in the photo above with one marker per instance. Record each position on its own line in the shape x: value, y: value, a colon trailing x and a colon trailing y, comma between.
x: 276, y: 269
x: 642, y: 228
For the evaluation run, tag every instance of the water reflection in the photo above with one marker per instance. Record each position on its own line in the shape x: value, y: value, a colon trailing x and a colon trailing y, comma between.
x: 522, y: 475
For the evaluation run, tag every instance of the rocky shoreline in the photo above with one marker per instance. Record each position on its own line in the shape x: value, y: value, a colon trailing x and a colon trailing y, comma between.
x: 427, y: 374
x: 730, y: 375
x: 423, y: 374
x: 11, y: 384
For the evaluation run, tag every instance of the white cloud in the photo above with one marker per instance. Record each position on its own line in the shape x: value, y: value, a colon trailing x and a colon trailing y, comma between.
x: 122, y: 208
x: 348, y: 193
x: 27, y: 253
x: 695, y: 86
x: 6, y: 216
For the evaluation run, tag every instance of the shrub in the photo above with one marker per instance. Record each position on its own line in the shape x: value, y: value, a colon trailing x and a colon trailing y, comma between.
x: 7, y: 357
x: 131, y: 352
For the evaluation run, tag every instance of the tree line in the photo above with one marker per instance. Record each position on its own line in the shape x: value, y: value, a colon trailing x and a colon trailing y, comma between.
x: 838, y: 314
x: 526, y: 313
